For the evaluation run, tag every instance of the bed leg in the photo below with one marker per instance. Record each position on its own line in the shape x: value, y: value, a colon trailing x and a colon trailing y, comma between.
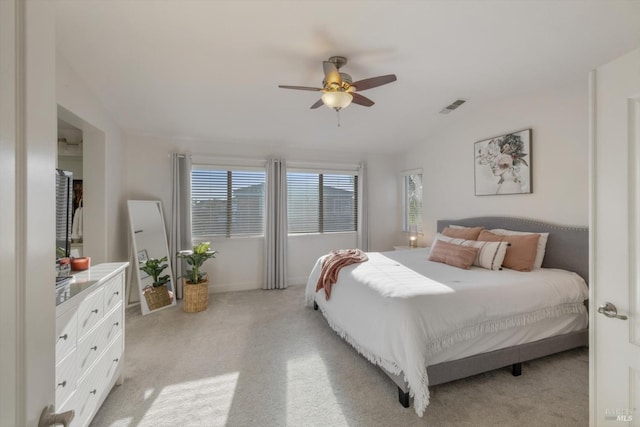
x: 516, y: 369
x: 315, y: 306
x: 403, y: 397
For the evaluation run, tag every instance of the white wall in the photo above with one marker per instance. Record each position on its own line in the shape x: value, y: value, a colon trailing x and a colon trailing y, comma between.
x: 104, y: 212
x: 239, y: 263
x: 558, y: 118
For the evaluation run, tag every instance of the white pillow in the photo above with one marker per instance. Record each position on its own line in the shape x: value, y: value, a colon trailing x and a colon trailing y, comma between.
x: 542, y: 243
x: 490, y: 254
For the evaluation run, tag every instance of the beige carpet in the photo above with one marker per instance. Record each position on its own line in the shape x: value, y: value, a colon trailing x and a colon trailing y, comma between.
x: 260, y: 358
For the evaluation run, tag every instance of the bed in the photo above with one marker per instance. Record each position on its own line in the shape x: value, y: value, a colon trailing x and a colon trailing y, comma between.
x: 423, y: 331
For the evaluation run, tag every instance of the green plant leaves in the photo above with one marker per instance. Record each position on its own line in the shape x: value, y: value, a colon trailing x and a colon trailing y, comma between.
x: 196, y: 257
x: 154, y: 267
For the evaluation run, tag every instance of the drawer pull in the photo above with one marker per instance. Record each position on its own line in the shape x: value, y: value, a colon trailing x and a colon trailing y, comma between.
x: 95, y: 310
x: 62, y: 384
x: 94, y: 391
x: 116, y: 293
x: 116, y: 324
x: 63, y: 337
x: 95, y: 347
x: 116, y: 359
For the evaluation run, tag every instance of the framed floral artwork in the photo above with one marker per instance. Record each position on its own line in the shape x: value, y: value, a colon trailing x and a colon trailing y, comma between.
x: 503, y: 164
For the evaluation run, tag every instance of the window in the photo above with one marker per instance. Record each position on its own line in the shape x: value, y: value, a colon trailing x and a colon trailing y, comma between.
x: 412, y: 191
x: 322, y: 203
x: 227, y: 203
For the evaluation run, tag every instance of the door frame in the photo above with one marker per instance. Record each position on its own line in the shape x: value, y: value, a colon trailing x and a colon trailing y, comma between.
x: 27, y: 191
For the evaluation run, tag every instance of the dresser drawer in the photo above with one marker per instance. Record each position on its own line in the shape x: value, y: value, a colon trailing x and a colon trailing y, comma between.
x: 90, y: 311
x: 66, y: 333
x: 92, y: 389
x: 92, y: 346
x: 88, y: 395
x: 66, y: 378
x: 113, y: 291
x: 113, y: 359
x: 69, y: 405
x: 113, y: 324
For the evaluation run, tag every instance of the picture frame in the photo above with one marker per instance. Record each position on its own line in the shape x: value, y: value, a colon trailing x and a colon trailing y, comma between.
x: 502, y: 164
x: 142, y: 256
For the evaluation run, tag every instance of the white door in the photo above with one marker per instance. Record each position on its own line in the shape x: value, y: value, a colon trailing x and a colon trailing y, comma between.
x: 27, y: 215
x: 615, y: 248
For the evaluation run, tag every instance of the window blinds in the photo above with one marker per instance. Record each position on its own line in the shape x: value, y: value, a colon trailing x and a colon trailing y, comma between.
x: 226, y: 203
x: 412, y: 202
x: 321, y: 203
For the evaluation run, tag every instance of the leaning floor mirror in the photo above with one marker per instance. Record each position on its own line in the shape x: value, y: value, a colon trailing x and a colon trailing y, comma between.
x: 151, y: 254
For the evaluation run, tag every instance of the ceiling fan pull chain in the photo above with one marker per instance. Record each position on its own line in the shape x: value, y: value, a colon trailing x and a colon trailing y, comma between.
x: 338, y: 113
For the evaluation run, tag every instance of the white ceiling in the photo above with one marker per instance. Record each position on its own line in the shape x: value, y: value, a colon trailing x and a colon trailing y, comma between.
x: 211, y: 69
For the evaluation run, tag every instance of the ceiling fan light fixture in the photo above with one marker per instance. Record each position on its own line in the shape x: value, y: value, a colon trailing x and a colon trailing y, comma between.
x: 337, y: 100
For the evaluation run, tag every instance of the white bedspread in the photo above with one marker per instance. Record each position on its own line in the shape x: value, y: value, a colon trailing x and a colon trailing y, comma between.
x: 398, y: 309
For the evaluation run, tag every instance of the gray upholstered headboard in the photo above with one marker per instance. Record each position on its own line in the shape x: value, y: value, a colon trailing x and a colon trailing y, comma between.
x: 567, y: 247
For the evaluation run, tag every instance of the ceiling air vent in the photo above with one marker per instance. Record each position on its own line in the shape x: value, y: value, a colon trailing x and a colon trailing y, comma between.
x: 449, y: 108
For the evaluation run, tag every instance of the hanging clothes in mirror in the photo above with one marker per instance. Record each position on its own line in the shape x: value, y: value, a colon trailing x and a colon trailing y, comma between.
x: 76, y: 226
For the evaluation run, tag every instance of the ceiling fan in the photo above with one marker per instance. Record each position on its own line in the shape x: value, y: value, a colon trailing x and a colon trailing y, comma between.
x: 339, y: 90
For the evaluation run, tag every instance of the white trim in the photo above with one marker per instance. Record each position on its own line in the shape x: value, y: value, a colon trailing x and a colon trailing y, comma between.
x: 327, y: 168
x: 11, y: 320
x: 592, y: 244
x: 227, y: 162
x: 417, y: 171
x: 20, y: 211
x: 634, y: 212
x: 216, y: 288
x: 227, y: 167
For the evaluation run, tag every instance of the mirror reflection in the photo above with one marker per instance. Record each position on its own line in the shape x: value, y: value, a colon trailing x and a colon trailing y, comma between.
x: 150, y: 249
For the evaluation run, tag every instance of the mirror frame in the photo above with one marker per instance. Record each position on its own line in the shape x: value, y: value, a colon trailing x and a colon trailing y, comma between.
x: 135, y: 250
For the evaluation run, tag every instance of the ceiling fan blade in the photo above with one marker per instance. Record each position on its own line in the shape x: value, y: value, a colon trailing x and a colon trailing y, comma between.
x: 317, y: 104
x: 331, y: 74
x: 361, y: 100
x: 374, y: 82
x: 315, y: 89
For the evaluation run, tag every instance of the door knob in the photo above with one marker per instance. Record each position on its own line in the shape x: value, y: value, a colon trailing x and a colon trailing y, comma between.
x: 48, y: 417
x: 610, y: 310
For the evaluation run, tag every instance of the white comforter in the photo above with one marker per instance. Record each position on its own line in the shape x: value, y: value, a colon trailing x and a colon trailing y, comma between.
x: 398, y: 309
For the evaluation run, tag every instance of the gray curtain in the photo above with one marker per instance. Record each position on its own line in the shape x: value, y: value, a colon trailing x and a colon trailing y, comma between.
x: 275, y: 236
x: 180, y: 230
x: 363, y: 209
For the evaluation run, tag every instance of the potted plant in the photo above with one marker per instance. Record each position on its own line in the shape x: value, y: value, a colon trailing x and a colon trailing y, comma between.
x: 157, y: 295
x: 195, y: 282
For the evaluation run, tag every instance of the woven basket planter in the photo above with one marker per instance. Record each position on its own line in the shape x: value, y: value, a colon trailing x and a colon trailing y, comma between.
x: 157, y: 297
x: 196, y: 297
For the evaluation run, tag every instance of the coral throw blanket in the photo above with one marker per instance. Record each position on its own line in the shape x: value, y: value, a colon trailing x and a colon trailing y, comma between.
x: 333, y: 263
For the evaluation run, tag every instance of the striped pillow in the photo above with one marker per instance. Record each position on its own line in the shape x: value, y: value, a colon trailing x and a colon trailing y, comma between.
x: 522, y: 249
x: 452, y: 254
x: 490, y: 254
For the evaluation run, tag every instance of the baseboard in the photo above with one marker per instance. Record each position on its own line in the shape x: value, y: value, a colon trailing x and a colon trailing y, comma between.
x: 231, y: 287
x: 250, y: 286
x: 301, y: 280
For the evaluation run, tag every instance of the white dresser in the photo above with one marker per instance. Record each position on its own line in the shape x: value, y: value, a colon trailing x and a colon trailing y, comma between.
x: 89, y: 340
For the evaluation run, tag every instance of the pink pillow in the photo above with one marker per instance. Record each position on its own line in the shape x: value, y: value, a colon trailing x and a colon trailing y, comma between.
x: 470, y: 233
x: 521, y: 254
x: 452, y: 254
